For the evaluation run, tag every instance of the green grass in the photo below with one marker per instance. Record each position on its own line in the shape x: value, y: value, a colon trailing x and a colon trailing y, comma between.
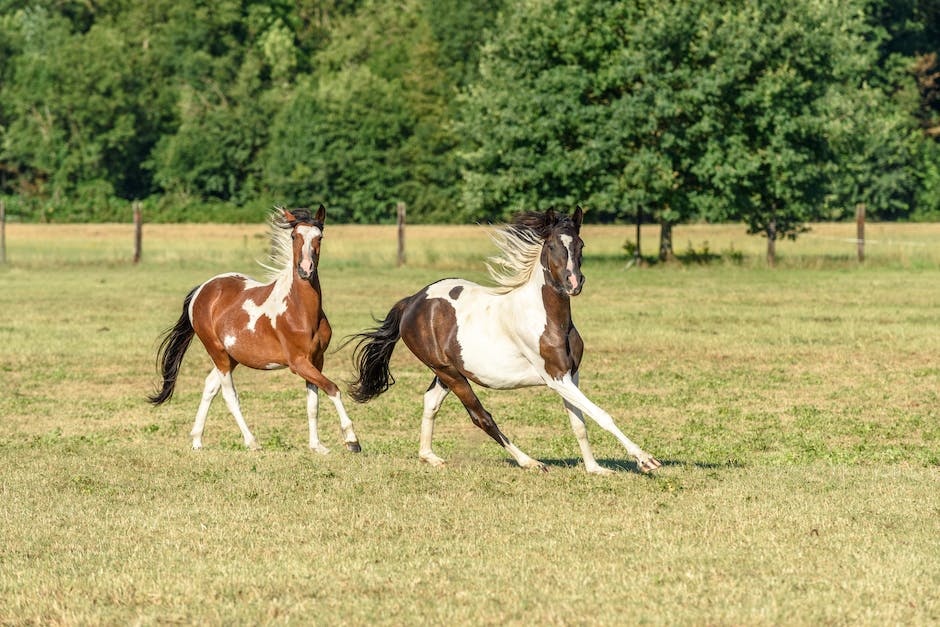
x: 796, y: 411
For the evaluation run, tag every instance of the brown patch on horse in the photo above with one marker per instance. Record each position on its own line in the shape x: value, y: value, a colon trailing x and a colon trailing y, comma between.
x: 554, y: 346
x: 455, y: 292
x: 429, y: 330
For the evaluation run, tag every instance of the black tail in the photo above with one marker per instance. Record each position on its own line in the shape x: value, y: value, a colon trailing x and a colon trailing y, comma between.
x: 373, y: 353
x: 176, y: 340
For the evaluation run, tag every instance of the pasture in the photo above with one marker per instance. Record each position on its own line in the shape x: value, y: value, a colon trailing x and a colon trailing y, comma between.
x: 796, y: 411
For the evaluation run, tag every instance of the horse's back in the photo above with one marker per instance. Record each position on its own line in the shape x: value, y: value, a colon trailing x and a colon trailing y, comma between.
x: 219, y: 292
x: 456, y: 323
x: 219, y: 304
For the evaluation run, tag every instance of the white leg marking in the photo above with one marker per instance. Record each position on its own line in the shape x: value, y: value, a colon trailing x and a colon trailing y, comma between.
x: 524, y: 460
x: 313, y: 411
x: 213, y: 383
x: 432, y: 404
x: 345, y: 424
x: 580, y: 432
x: 231, y: 399
x: 570, y: 392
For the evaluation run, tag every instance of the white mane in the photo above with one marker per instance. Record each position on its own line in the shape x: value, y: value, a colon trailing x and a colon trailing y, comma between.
x: 520, y: 250
x: 281, y: 256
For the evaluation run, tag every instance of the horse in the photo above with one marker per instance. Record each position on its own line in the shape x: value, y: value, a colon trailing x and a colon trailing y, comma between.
x: 516, y: 334
x: 266, y: 326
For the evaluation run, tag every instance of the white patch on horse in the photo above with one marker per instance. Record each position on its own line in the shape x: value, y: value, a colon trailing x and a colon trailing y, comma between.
x: 308, y: 233
x: 272, y: 307
x: 229, y: 341
x: 567, y: 240
x: 485, y: 338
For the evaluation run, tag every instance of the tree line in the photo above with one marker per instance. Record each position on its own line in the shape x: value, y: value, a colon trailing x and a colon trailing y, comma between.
x: 769, y: 112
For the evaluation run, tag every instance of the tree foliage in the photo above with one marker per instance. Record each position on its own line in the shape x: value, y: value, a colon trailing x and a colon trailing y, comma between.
x: 771, y: 113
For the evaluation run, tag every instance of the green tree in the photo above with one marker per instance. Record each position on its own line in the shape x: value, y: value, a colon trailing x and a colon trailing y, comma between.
x: 370, y: 127
x: 72, y: 110
x: 692, y: 109
x: 336, y: 142
x: 231, y: 62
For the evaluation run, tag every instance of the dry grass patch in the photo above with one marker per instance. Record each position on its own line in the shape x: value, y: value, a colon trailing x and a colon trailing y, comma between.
x: 797, y: 411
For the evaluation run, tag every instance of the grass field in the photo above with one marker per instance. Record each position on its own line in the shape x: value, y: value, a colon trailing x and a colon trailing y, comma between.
x: 796, y: 410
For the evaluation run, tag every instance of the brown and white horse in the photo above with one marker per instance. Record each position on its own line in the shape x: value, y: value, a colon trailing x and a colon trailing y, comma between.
x: 267, y: 326
x: 515, y: 335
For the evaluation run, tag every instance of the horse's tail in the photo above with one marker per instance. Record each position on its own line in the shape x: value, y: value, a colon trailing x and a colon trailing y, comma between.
x: 373, y: 353
x: 176, y: 340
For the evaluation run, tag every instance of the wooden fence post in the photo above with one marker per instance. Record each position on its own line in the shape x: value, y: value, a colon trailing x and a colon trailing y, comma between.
x: 138, y: 230
x: 860, y: 230
x: 3, y: 232
x: 401, y: 234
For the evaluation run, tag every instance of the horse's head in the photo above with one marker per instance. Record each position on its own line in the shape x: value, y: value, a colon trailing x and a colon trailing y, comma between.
x: 561, y: 252
x: 306, y: 233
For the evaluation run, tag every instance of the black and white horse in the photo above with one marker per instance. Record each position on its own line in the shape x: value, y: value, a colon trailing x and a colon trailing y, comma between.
x: 517, y: 334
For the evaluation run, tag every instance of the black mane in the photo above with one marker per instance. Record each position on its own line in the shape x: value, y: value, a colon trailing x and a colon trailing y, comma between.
x: 301, y: 216
x: 542, y: 223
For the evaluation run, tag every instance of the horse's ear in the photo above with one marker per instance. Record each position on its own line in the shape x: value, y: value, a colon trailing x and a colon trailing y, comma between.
x: 288, y: 216
x: 578, y: 217
x: 321, y: 214
x: 549, y: 217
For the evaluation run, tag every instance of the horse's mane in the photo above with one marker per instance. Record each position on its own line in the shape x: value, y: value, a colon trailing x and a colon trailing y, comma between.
x: 520, y: 245
x: 281, y: 258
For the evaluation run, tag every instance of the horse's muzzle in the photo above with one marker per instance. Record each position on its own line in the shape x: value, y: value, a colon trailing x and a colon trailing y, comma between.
x: 305, y: 273
x: 573, y: 284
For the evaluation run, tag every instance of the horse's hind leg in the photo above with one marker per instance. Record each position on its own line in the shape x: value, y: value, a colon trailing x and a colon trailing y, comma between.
x: 231, y: 399
x: 482, y: 418
x: 213, y: 383
x: 433, y: 398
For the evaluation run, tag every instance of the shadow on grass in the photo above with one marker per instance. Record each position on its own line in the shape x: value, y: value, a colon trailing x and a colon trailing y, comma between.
x: 623, y: 465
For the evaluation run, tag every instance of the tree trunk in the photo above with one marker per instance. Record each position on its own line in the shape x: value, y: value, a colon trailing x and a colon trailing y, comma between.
x: 665, y: 241
x: 772, y: 242
x: 637, y: 256
x: 860, y: 230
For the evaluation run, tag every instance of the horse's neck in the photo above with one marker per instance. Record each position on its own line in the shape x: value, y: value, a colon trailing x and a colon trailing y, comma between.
x: 536, y: 292
x: 304, y: 294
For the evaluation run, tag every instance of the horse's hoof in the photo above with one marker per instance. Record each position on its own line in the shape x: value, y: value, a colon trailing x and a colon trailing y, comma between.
x: 600, y: 471
x: 253, y: 445
x: 353, y: 447
x: 320, y: 449
x: 536, y: 466
x: 433, y: 460
x: 648, y: 465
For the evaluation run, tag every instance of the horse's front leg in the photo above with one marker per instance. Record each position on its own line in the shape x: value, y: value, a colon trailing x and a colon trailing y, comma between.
x: 305, y: 369
x: 568, y: 390
x: 580, y: 433
x: 313, y: 411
